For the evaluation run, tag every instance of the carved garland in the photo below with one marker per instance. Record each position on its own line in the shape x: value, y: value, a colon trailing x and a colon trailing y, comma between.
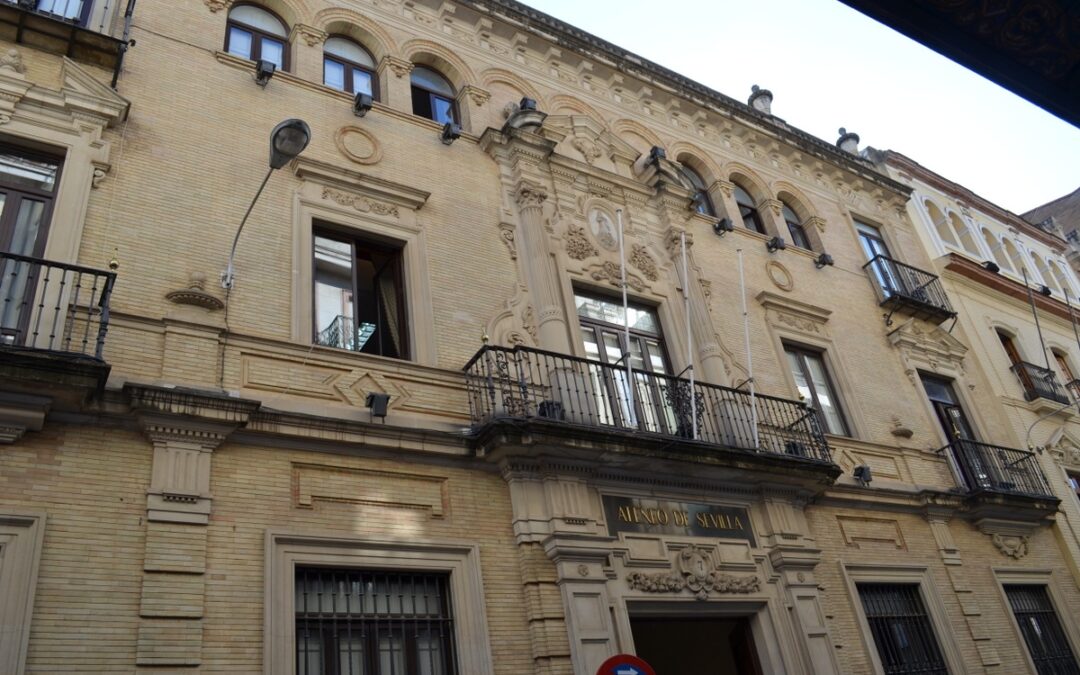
x: 695, y: 571
x: 361, y: 204
x: 578, y: 245
x: 640, y: 258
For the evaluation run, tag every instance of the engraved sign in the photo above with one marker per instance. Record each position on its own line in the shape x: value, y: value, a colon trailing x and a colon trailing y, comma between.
x: 652, y: 516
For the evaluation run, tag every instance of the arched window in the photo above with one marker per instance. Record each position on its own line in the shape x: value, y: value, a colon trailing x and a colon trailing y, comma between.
x: 432, y: 96
x: 748, y: 210
x: 1044, y: 272
x: 964, y: 234
x: 1061, y: 278
x: 795, y: 228
x: 941, y: 224
x: 702, y: 204
x: 254, y: 33
x: 995, y: 250
x: 348, y: 66
x: 1015, y: 258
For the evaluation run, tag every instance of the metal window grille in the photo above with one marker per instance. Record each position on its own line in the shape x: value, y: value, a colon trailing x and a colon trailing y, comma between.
x: 364, y: 622
x: 901, y: 629
x: 1045, y: 639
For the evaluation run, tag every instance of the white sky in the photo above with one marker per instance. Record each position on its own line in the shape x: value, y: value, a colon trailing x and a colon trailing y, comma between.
x: 829, y: 66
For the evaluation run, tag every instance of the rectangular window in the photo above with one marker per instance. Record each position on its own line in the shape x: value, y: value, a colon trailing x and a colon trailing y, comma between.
x: 364, y: 622
x: 360, y: 295
x: 901, y: 629
x: 1043, y: 635
x: 815, y: 386
x: 1074, y: 482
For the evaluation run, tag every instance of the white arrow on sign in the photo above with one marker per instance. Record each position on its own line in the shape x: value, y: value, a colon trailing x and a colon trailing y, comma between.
x: 627, y: 670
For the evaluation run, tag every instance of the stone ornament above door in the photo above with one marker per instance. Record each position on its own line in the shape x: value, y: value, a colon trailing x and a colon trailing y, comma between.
x: 694, y: 570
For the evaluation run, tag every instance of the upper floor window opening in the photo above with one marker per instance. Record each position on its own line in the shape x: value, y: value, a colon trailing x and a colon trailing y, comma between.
x: 360, y: 295
x: 1044, y: 272
x: 702, y: 203
x: 967, y: 242
x: 815, y: 385
x: 255, y: 33
x: 432, y: 95
x: 795, y: 228
x: 748, y: 211
x: 1015, y: 257
x: 996, y: 247
x: 1060, y: 278
x: 941, y: 224
x: 347, y: 66
x: 76, y: 11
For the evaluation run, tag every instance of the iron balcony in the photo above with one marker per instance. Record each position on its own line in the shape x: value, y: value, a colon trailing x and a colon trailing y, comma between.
x: 527, y: 384
x: 53, y: 307
x: 908, y: 290
x: 986, y: 468
x: 1038, y: 382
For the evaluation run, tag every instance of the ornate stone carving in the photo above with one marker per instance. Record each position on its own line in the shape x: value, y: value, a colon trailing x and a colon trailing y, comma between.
x: 673, y: 242
x: 603, y: 229
x: 399, y: 67
x: 361, y: 204
x: 13, y: 61
x: 217, y: 5
x: 640, y: 258
x: 530, y: 195
x: 478, y: 96
x: 99, y: 175
x: 589, y: 150
x: 312, y: 36
x: 798, y: 323
x: 694, y: 570
x: 1013, y: 546
x: 780, y: 276
x: 506, y: 233
x: 612, y: 273
x: 195, y: 294
x: 816, y: 221
x: 528, y: 321
x: 578, y: 245
x: 776, y: 205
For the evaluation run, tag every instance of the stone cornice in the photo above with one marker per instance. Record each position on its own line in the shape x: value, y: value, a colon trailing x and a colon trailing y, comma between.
x: 563, y: 34
x: 1004, y: 285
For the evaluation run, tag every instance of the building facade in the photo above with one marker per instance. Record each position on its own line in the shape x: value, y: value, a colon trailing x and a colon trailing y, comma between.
x: 417, y: 429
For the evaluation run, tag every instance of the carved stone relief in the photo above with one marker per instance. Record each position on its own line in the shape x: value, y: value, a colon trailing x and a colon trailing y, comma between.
x: 359, y: 145
x: 640, y: 259
x: 780, y: 276
x: 361, y: 204
x: 589, y: 150
x: 1013, y: 546
x: 578, y: 245
x: 694, y: 570
x: 612, y: 273
x: 603, y: 229
x: 506, y: 234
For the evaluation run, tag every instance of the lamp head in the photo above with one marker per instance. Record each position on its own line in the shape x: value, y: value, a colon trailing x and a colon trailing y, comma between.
x: 361, y: 103
x: 451, y: 131
x: 823, y: 260
x: 723, y: 226
x: 288, y: 140
x: 775, y: 244
x: 992, y: 266
x: 264, y: 70
x: 1045, y: 290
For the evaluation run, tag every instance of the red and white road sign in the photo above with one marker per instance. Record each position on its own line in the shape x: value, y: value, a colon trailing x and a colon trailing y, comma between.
x: 625, y: 664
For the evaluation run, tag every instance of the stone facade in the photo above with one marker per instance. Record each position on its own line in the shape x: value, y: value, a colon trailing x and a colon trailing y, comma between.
x: 156, y: 500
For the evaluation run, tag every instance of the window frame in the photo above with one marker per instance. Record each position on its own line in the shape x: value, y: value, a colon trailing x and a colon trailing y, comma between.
x: 84, y: 13
x: 50, y: 198
x: 863, y: 587
x: 1011, y: 576
x: 286, y: 550
x: 801, y: 351
x: 748, y: 210
x: 432, y: 95
x: 258, y: 35
x: 702, y: 203
x: 22, y: 533
x: 794, y: 227
x: 856, y: 573
x: 377, y: 243
x: 351, y: 66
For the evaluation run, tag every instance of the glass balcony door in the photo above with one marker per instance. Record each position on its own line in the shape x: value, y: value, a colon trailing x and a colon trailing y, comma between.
x: 873, y: 245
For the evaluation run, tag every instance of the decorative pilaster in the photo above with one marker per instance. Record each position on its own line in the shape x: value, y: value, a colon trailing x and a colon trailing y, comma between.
x: 394, y: 84
x: 796, y: 566
x: 772, y: 214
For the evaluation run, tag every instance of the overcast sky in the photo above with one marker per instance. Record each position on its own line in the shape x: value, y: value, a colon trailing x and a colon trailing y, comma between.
x: 829, y: 66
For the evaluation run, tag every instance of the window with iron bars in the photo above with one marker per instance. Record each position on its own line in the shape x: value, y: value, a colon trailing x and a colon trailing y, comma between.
x: 901, y: 629
x: 1043, y: 635
x: 365, y: 622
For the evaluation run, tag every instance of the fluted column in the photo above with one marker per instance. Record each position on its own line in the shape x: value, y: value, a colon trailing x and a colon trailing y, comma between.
x: 540, y: 275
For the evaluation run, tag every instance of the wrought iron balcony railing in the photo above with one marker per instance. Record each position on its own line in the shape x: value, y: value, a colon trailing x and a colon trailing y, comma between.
x: 1038, y: 382
x: 903, y: 288
x: 53, y: 307
x: 991, y: 468
x: 343, y: 333
x: 524, y: 383
x: 1073, y: 387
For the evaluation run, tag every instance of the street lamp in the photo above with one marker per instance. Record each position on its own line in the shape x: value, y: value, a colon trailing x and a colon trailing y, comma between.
x: 287, y: 140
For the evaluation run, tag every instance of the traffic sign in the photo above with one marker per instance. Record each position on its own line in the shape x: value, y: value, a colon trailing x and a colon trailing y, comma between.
x: 625, y: 664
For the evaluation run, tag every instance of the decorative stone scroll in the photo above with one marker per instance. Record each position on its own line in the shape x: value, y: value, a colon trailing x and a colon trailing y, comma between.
x: 695, y: 571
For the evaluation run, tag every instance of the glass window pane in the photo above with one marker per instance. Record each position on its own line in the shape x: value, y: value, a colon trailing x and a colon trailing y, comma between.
x: 391, y: 655
x: 349, y: 50
x: 442, y: 110
x: 274, y: 52
x: 743, y: 198
x: 826, y: 400
x: 334, y: 74
x: 362, y: 82
x: 432, y: 81
x: 801, y: 382
x: 27, y: 226
x: 239, y: 42
x: 333, y: 293
x: 611, y: 311
x: 258, y: 18
x: 28, y: 174
x: 68, y: 9
x: 592, y: 350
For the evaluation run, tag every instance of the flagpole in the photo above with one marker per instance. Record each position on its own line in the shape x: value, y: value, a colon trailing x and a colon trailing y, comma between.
x: 626, y: 319
x: 689, y: 338
x: 749, y: 357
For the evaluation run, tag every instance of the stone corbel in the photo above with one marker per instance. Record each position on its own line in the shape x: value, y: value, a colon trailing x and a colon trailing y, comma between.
x: 815, y: 222
x: 477, y: 95
x: 20, y: 413
x: 13, y: 83
x: 775, y: 205
x: 399, y: 67
x: 311, y: 35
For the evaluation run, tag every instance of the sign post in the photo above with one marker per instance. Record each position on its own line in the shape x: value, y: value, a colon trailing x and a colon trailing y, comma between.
x: 625, y: 664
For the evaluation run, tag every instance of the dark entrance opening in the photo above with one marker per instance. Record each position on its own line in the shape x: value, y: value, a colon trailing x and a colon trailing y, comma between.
x: 708, y: 646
